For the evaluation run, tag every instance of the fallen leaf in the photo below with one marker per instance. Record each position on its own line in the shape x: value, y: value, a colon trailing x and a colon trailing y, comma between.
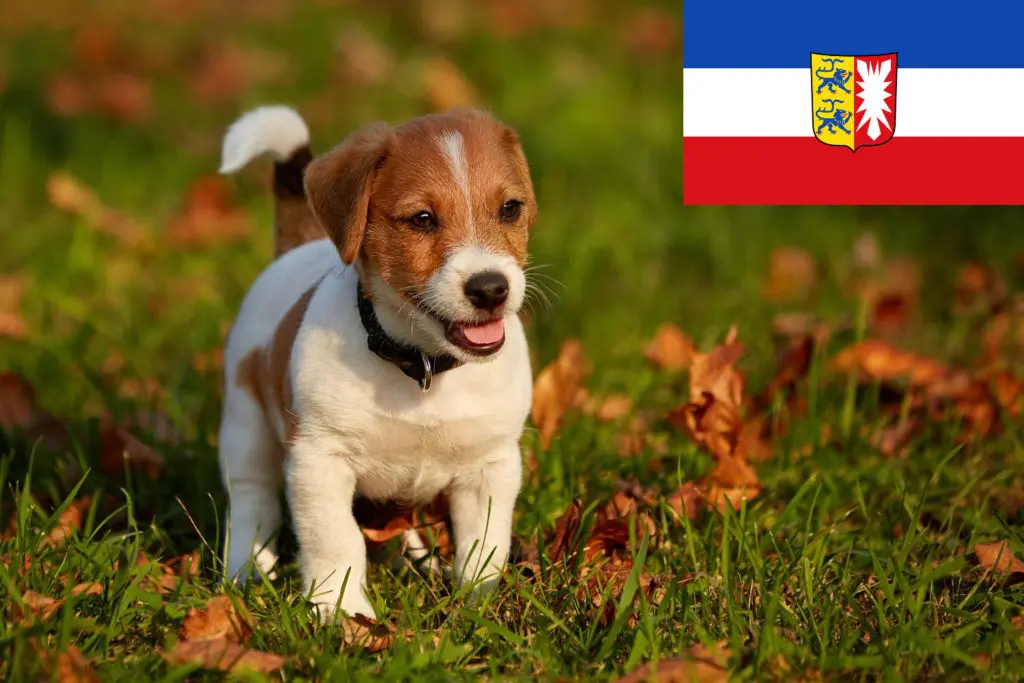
x: 554, y: 390
x: 124, y: 97
x: 363, y: 60
x: 653, y: 32
x: 445, y: 86
x: 614, y: 407
x: 878, y: 360
x: 443, y: 20
x: 223, y: 655
x: 208, y: 216
x: 119, y: 448
x: 225, y: 70
x: 12, y: 325
x: 714, y: 373
x: 892, y: 295
x: 978, y: 289
x: 68, y: 95
x: 792, y: 273
x: 40, y: 606
x: 221, y: 618
x: 998, y: 557
x: 69, y: 522
x: 69, y: 194
x: 688, y: 501
x: 74, y: 667
x: 87, y: 588
x: 563, y: 543
x: 361, y: 632
x: 892, y: 440
x: 698, y: 665
x: 671, y: 349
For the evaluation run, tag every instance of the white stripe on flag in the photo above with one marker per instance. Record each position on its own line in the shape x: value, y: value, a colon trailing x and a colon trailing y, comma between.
x: 777, y: 103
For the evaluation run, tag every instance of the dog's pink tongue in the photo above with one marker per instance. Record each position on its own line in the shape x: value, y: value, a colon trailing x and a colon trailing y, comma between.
x: 486, y: 333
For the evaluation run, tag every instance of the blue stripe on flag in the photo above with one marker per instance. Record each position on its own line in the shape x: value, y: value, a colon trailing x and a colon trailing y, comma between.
x: 782, y: 33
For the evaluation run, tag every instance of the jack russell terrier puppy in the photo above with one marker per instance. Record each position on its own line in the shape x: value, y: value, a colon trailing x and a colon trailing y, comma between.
x: 381, y: 353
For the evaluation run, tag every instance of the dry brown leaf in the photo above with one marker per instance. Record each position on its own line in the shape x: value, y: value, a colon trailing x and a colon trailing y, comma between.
x: 653, y: 32
x: 119, y: 448
x: 221, y: 618
x: 367, y: 634
x: 226, y: 70
x: 892, y: 295
x: 223, y: 655
x: 68, y: 95
x: 688, y: 501
x: 999, y: 558
x: 87, y: 588
x: 124, y: 97
x: 978, y: 289
x: 715, y: 373
x: 445, y: 85
x: 555, y: 389
x: 42, y: 607
x: 363, y: 60
x: 614, y: 407
x: 69, y: 522
x: 12, y: 325
x: 792, y: 273
x: 69, y: 194
x: 671, y: 349
x: 893, y: 440
x: 698, y: 665
x: 879, y: 360
x: 208, y: 216
x: 74, y: 667
x: 563, y: 542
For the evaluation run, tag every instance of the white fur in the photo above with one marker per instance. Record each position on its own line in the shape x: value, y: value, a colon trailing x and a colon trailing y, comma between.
x: 275, y: 130
x: 455, y: 152
x: 367, y: 429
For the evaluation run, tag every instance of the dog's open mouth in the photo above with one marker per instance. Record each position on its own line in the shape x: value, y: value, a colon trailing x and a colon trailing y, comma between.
x: 481, y: 339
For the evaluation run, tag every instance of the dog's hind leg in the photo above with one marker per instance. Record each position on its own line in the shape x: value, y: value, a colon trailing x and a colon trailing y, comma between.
x: 250, y: 464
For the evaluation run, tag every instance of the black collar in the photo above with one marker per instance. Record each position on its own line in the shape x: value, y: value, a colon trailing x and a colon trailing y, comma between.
x: 410, y: 360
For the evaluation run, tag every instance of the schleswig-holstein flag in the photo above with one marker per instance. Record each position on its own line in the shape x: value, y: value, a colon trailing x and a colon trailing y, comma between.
x: 870, y: 102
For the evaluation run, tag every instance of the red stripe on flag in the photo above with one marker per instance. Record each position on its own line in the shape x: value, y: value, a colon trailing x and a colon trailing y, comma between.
x: 806, y: 171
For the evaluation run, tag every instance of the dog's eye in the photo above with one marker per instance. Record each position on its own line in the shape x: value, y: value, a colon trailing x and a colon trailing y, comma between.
x: 510, y: 210
x: 424, y: 220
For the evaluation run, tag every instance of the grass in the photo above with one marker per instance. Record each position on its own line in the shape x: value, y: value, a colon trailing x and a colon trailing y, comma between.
x: 848, y: 565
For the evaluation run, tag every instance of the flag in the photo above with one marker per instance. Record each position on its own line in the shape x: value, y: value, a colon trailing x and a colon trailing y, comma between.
x: 902, y: 102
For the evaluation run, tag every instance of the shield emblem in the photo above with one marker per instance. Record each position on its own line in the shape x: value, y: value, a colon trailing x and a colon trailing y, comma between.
x: 853, y: 99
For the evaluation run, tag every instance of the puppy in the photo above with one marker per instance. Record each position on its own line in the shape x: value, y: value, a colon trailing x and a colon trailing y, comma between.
x: 381, y: 353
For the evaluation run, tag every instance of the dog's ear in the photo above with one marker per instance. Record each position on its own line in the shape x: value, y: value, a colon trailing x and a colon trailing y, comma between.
x: 338, y: 185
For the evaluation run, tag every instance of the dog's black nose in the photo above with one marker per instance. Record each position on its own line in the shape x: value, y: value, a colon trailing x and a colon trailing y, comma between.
x: 487, y: 290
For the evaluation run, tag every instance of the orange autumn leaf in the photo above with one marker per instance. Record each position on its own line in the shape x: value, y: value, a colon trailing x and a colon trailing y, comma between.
x: 698, y: 665
x: 445, y: 85
x: 208, y: 216
x: 12, y: 324
x: 879, y: 360
x: 223, y: 655
x: 74, y: 667
x: 671, y: 349
x: 998, y: 557
x: 555, y: 389
x: 715, y: 373
x: 361, y: 632
x: 792, y: 273
x: 562, y: 544
x: 69, y: 522
x: 42, y: 607
x: 220, y: 618
x: 120, y: 448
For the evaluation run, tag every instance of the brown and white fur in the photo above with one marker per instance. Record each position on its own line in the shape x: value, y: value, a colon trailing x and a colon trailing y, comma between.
x: 304, y: 396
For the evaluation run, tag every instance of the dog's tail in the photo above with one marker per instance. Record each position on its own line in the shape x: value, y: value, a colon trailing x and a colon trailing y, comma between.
x: 280, y: 132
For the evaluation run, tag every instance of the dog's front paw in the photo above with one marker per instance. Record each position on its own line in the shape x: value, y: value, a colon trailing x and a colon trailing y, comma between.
x: 328, y: 610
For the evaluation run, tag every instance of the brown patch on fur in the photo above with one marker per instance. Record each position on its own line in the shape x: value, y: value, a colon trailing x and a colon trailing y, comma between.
x: 365, y: 190
x: 264, y: 371
x: 294, y: 222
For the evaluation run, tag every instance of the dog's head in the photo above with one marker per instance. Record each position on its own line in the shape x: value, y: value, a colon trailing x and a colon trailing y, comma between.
x: 435, y: 214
